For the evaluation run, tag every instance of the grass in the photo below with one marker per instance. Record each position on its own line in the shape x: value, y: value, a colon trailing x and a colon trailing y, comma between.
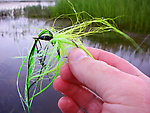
x: 112, y: 41
x: 134, y: 15
x: 37, y: 12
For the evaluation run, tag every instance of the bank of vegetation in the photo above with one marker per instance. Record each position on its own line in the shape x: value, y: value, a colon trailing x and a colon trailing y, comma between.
x: 134, y: 15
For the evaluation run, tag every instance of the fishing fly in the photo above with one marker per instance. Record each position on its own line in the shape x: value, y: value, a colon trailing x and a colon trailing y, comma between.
x: 44, y: 60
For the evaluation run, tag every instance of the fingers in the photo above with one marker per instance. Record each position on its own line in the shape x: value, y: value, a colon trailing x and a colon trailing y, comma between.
x: 67, y: 75
x: 67, y: 105
x: 117, y: 62
x: 110, y: 59
x: 112, y: 84
x: 100, y: 77
x: 114, y: 61
x: 81, y: 96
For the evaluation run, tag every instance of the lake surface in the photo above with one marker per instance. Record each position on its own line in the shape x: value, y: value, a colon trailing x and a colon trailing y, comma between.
x: 16, y: 32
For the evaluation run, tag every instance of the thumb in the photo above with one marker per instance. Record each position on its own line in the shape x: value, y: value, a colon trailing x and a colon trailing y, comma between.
x: 97, y: 75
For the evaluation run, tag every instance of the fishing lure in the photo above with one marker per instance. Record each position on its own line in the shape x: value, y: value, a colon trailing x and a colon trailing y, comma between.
x: 43, y: 63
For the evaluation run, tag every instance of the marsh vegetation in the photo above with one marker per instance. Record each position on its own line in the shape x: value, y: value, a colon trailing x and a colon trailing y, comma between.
x: 133, y: 16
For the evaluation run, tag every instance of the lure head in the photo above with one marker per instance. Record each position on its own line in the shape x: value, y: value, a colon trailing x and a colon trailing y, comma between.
x: 45, y: 35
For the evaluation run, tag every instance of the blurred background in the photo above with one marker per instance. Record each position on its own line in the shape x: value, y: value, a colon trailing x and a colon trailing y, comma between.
x: 20, y: 20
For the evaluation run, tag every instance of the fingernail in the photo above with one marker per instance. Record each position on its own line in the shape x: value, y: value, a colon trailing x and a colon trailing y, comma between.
x: 77, y: 54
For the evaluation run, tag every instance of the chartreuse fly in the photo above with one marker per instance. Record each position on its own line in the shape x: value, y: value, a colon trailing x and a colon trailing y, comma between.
x: 44, y: 60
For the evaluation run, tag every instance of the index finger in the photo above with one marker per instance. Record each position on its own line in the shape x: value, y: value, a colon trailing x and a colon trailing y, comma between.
x: 114, y: 60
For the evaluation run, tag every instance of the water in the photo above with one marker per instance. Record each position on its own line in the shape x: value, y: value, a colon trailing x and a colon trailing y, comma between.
x: 15, y: 40
x: 18, y: 5
x: 16, y: 32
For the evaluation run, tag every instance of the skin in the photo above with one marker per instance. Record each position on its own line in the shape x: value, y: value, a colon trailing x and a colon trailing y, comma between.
x: 108, y: 84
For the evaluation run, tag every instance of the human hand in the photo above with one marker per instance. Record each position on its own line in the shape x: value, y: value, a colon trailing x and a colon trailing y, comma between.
x: 108, y: 84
